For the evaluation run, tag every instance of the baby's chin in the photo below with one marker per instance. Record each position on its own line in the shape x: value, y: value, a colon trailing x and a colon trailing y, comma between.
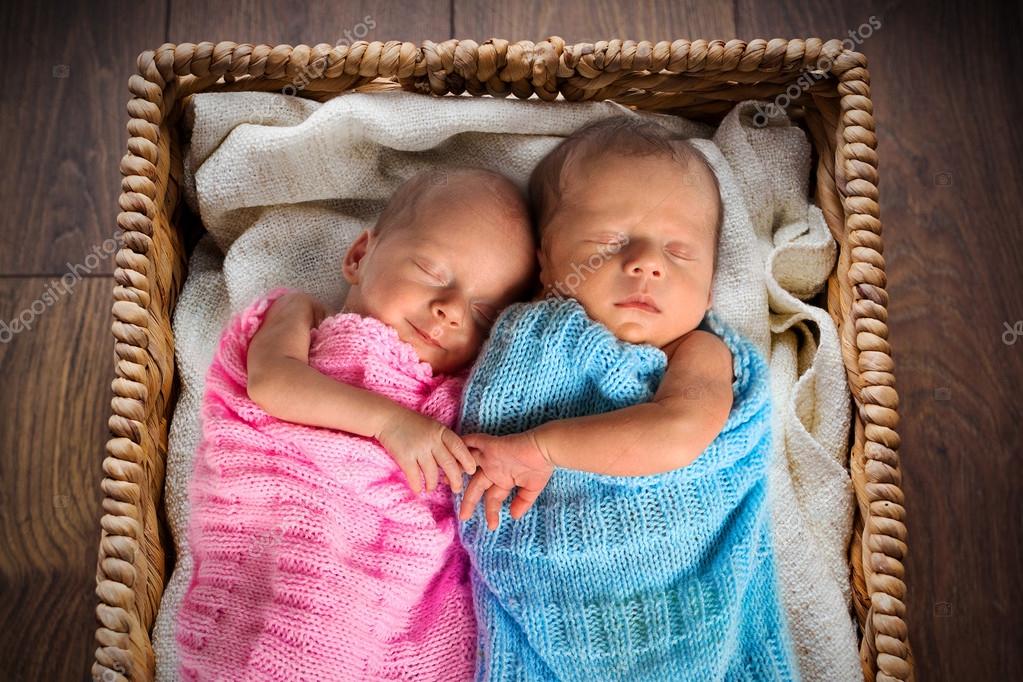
x: 451, y: 361
x: 633, y: 331
x: 627, y: 330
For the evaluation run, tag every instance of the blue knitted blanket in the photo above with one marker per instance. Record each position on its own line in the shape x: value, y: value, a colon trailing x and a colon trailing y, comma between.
x: 661, y: 577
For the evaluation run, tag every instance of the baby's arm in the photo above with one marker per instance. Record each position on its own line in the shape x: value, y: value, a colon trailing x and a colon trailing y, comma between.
x: 283, y: 384
x: 684, y: 416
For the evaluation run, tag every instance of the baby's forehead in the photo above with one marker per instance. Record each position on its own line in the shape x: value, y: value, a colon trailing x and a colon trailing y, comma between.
x: 619, y: 181
x: 470, y: 191
x: 476, y: 211
x: 594, y: 163
x: 654, y: 189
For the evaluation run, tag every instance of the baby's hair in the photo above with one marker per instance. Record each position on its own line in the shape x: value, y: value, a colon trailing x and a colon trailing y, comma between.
x: 627, y: 135
x: 507, y: 199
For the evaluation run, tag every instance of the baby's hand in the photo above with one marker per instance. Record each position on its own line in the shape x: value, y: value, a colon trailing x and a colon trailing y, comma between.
x: 507, y: 462
x: 415, y: 442
x: 482, y: 487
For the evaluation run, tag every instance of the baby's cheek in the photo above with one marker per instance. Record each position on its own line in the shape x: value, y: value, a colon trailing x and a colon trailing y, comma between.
x: 464, y: 353
x: 603, y: 311
x: 475, y: 344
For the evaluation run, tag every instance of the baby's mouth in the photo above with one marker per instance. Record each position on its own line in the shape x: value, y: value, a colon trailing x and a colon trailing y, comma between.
x: 425, y: 337
x: 639, y: 302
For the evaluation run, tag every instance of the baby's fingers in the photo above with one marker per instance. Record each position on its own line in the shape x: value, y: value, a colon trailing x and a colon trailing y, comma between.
x: 451, y: 468
x: 458, y: 449
x: 492, y: 504
x: 429, y: 466
x: 411, y: 471
x: 478, y: 485
x: 524, y: 499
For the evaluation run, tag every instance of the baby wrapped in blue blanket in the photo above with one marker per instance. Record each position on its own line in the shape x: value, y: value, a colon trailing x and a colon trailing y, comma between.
x: 635, y: 427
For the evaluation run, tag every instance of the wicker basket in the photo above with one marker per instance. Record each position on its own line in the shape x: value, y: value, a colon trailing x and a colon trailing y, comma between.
x: 700, y: 79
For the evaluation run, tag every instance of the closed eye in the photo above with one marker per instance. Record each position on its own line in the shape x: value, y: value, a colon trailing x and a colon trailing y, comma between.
x: 431, y: 273
x: 487, y: 313
x: 608, y: 241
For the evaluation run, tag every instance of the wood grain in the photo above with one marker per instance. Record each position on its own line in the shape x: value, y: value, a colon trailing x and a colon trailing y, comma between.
x: 62, y: 125
x: 293, y: 23
x: 55, y: 402
x: 948, y: 146
x: 947, y: 110
x: 592, y: 21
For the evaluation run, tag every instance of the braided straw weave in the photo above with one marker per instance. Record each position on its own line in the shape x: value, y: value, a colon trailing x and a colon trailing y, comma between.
x: 698, y: 79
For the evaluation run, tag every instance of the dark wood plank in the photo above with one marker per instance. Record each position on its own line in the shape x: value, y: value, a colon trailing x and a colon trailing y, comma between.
x: 591, y: 21
x: 55, y: 402
x: 293, y: 22
x: 945, y: 104
x: 62, y: 125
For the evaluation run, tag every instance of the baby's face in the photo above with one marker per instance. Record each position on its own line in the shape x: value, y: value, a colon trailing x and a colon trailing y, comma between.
x: 442, y: 279
x: 634, y: 244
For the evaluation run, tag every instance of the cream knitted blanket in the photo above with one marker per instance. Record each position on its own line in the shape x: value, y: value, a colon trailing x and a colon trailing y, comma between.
x: 283, y: 185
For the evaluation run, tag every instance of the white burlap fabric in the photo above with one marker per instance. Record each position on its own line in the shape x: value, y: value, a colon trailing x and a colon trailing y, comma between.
x: 284, y: 184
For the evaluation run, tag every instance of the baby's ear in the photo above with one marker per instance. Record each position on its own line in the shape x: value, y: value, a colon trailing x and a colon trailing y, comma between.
x: 354, y: 257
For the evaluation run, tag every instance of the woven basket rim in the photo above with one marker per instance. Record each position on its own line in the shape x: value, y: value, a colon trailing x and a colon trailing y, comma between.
x: 660, y: 75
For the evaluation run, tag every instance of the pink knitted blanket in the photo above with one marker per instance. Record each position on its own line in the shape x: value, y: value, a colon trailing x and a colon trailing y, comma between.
x: 312, y: 558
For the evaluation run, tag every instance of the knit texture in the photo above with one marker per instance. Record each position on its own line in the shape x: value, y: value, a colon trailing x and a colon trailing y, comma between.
x: 261, y: 171
x: 660, y: 577
x: 312, y: 558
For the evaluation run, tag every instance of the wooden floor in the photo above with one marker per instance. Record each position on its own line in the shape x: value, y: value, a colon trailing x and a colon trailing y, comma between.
x: 947, y: 104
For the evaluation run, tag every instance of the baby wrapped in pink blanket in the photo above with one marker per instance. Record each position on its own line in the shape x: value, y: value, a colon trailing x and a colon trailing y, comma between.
x: 312, y: 557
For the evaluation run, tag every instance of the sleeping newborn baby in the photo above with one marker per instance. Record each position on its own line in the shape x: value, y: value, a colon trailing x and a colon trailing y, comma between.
x: 313, y: 559
x: 635, y: 426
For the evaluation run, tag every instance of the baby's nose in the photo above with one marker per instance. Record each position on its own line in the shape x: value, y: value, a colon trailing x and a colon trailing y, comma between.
x: 646, y: 266
x: 446, y: 312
